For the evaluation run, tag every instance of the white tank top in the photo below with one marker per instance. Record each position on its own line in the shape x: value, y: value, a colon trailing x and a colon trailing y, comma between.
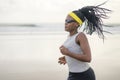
x: 74, y: 65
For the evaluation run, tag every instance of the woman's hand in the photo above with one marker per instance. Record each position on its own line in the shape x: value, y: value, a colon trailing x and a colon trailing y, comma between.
x: 62, y: 60
x: 64, y: 50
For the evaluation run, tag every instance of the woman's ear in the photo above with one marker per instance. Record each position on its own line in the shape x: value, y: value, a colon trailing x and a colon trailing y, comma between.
x: 76, y: 24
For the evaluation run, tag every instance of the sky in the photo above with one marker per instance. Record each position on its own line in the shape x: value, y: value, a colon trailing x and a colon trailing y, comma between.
x: 49, y: 11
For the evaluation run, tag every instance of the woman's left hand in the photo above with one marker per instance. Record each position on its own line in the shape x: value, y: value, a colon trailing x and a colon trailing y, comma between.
x: 64, y: 50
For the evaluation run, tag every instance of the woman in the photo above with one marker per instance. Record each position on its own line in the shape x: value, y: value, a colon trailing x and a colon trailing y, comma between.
x: 76, y: 49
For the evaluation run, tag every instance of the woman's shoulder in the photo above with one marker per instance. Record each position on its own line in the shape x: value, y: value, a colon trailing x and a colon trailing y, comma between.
x: 81, y: 36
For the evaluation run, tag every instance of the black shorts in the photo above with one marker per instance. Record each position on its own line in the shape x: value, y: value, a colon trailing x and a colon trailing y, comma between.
x: 87, y: 75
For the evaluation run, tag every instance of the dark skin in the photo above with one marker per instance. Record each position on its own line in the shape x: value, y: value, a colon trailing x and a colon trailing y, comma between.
x: 81, y: 39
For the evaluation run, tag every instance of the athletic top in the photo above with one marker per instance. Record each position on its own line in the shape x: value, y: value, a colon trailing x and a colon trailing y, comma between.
x: 74, y: 65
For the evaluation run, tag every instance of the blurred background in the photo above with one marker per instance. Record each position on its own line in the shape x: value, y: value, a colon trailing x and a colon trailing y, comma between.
x: 31, y: 32
x: 47, y: 11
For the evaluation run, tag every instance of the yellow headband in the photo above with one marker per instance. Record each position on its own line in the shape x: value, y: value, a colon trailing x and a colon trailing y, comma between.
x: 74, y: 16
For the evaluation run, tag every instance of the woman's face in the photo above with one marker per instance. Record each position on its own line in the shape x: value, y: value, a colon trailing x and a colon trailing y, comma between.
x: 70, y: 24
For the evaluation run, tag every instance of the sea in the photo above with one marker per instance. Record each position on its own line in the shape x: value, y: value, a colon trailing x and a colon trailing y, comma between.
x: 31, y: 52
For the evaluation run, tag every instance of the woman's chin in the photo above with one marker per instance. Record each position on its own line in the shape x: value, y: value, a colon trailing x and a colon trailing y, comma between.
x: 66, y: 29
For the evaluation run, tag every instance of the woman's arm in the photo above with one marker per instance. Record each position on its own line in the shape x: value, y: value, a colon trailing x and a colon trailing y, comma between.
x: 86, y: 56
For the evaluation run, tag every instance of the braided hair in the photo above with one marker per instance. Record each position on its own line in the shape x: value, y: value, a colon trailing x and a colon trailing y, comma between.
x: 92, y: 16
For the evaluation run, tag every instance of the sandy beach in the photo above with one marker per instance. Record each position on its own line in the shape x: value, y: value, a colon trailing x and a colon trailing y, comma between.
x: 33, y: 56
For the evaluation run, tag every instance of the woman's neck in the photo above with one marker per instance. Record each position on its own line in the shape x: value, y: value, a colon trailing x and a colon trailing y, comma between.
x: 73, y: 32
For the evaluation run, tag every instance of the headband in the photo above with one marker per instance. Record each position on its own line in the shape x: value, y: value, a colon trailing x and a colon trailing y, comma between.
x: 74, y: 16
